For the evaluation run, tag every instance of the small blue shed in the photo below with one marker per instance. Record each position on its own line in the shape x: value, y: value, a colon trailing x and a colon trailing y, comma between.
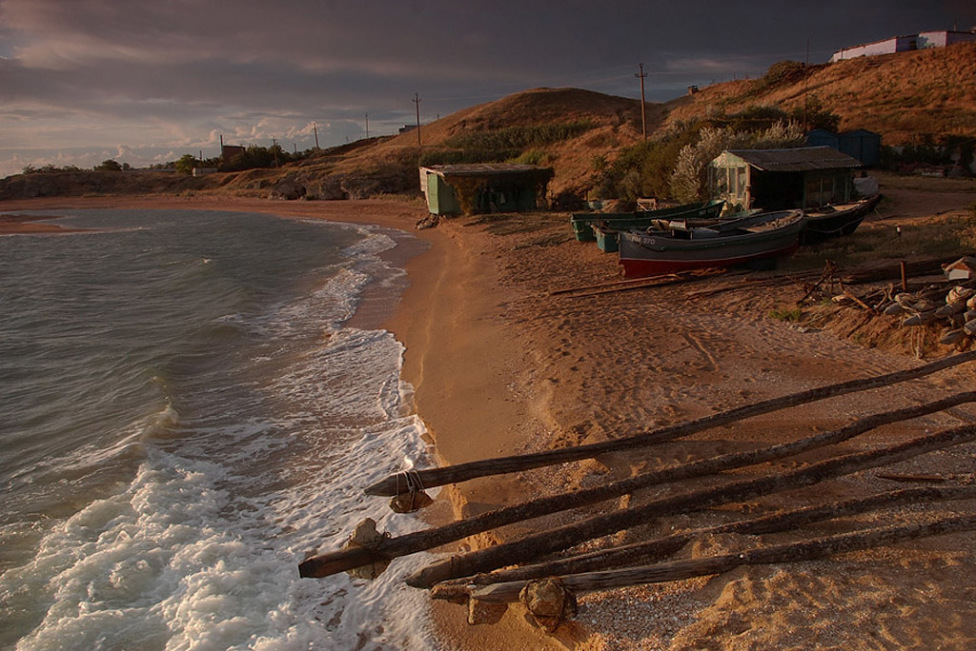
x: 861, y: 144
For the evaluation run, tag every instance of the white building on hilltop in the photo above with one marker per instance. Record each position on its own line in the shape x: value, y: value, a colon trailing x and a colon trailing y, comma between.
x: 919, y: 41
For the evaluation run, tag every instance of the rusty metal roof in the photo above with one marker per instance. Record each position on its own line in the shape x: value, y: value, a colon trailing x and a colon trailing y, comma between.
x: 487, y: 169
x: 800, y: 159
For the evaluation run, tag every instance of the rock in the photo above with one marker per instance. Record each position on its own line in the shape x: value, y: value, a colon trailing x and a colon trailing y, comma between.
x: 950, y: 309
x: 548, y: 602
x: 410, y: 502
x: 325, y: 188
x: 288, y: 188
x: 894, y: 309
x: 367, y: 536
x: 953, y: 337
x: 920, y: 319
x: 481, y: 612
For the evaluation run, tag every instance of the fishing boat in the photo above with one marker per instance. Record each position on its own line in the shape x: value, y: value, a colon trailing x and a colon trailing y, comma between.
x: 836, y: 220
x: 726, y: 244
x: 607, y: 236
x: 582, y: 223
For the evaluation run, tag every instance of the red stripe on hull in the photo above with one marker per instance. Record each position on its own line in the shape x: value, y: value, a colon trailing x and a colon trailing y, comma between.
x: 640, y: 268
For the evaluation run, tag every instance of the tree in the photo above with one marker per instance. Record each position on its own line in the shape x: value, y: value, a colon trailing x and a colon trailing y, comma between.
x: 185, y: 164
x: 108, y: 166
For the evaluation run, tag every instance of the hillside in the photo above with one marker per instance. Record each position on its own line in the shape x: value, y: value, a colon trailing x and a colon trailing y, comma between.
x: 906, y: 97
x: 901, y: 96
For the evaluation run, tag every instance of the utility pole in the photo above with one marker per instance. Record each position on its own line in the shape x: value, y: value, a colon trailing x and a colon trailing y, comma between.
x: 367, y: 126
x: 315, y: 128
x: 642, y: 75
x: 274, y: 148
x: 417, y: 100
x: 806, y: 77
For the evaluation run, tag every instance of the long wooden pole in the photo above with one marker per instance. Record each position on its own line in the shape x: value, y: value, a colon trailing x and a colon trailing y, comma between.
x: 531, y: 547
x: 398, y: 483
x: 643, y: 552
x: 643, y: 75
x: 786, y: 553
x: 340, y: 561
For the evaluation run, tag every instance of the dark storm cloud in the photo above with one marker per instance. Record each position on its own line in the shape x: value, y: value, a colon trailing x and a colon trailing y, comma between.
x: 178, y: 70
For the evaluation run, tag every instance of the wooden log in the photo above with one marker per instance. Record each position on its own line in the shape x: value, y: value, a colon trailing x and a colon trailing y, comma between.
x: 857, y: 300
x: 643, y: 552
x: 787, y: 553
x: 431, y: 477
x: 894, y: 271
x: 650, y: 281
x: 532, y: 547
x: 333, y: 562
x: 647, y: 280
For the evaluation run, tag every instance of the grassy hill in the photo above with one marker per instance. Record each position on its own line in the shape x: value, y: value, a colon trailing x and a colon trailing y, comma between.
x: 903, y: 96
x: 909, y: 97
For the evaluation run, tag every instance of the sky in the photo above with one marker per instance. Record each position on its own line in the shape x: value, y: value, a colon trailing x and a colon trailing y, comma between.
x: 144, y: 82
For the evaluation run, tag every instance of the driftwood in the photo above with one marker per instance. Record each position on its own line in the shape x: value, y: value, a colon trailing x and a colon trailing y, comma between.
x: 964, y: 478
x: 788, y: 553
x: 560, y: 538
x: 637, y: 283
x: 665, y: 278
x: 643, y: 552
x: 339, y: 561
x: 895, y: 270
x: 431, y: 477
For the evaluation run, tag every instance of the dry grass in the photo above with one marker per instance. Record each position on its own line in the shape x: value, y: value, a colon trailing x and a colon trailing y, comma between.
x: 901, y: 96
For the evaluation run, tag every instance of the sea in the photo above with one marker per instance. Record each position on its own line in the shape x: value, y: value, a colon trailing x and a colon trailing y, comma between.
x: 191, y: 402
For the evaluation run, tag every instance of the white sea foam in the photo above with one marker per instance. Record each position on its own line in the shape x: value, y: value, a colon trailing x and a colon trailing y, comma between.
x: 201, y: 549
x: 162, y: 561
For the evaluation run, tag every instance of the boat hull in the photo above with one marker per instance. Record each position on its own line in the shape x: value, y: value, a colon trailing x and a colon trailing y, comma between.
x: 653, y: 254
x: 838, y: 223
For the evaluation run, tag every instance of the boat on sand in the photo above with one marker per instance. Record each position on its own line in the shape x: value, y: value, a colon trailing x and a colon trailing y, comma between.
x: 728, y: 243
x: 835, y: 220
x: 582, y: 223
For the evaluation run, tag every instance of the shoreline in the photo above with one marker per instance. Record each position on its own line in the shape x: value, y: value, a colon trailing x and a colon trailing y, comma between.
x: 442, y: 326
x: 499, y: 366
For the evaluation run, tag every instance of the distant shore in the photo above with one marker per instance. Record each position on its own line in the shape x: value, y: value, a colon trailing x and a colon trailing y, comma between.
x: 501, y: 365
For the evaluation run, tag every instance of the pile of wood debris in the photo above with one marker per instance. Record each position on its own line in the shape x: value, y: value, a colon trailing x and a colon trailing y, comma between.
x: 945, y: 303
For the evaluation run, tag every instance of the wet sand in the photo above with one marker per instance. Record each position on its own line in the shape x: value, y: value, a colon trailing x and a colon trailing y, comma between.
x: 501, y: 366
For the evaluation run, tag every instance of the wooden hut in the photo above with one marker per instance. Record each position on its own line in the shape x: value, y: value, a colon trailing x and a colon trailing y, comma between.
x: 778, y: 179
x: 484, y: 188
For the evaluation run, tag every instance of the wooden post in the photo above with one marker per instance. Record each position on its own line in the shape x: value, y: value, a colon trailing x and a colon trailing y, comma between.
x: 786, y: 553
x: 646, y: 551
x: 431, y: 477
x: 334, y: 562
x: 904, y: 276
x: 531, y: 547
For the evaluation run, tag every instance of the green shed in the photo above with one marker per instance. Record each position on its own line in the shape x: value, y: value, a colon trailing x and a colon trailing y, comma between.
x: 779, y: 179
x: 484, y: 188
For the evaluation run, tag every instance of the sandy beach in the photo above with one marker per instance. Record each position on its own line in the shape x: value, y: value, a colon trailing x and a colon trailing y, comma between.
x: 500, y: 365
